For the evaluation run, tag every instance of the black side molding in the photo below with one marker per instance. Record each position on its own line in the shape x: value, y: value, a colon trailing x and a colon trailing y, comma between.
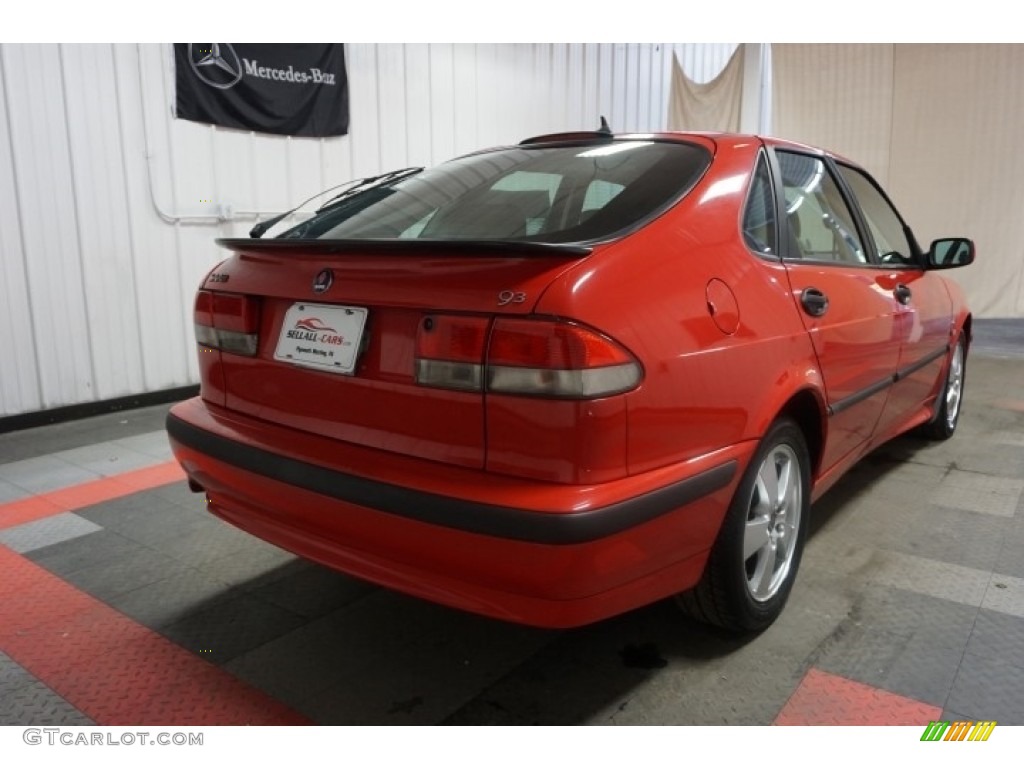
x: 841, y: 405
x: 473, y: 517
x: 914, y: 367
x: 848, y: 402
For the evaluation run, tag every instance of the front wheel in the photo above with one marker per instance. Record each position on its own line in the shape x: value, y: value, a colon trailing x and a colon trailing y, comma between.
x: 947, y: 411
x: 753, y: 564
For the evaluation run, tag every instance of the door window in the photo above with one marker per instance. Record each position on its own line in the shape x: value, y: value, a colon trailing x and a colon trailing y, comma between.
x: 820, y: 226
x: 892, y: 246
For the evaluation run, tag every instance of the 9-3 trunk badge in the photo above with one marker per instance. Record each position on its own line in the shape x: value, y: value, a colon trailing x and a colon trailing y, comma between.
x: 323, y: 281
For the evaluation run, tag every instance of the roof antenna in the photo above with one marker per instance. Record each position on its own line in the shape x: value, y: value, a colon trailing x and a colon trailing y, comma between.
x: 604, y: 130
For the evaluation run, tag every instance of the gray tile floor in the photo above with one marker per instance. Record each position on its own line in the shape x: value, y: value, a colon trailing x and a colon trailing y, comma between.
x: 912, y: 581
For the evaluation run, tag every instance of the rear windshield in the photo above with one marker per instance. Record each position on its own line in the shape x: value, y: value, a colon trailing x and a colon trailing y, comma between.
x: 554, y: 194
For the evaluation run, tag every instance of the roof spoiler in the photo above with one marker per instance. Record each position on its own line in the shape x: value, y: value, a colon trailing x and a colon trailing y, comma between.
x: 604, y: 133
x: 403, y: 247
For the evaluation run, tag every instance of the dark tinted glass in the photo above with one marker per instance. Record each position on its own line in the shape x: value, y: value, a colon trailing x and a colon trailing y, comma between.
x: 543, y: 194
x: 759, y: 217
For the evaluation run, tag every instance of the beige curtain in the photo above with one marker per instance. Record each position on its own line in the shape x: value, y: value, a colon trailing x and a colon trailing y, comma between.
x: 713, y: 106
x: 838, y: 97
x: 957, y: 162
x: 940, y: 127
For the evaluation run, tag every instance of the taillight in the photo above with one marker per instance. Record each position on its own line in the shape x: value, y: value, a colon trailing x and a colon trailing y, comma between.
x: 553, y: 358
x: 545, y: 358
x: 228, y: 322
x: 450, y: 351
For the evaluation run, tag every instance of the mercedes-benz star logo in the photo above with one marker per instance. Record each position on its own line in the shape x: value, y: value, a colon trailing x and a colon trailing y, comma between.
x: 323, y: 281
x: 216, y: 64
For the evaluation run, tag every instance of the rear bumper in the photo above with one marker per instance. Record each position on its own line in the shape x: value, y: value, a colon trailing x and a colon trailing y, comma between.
x: 521, y: 550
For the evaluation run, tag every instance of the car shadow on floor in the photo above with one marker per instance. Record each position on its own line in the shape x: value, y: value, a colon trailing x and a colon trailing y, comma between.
x: 862, y: 478
x: 373, y: 656
x: 343, y: 652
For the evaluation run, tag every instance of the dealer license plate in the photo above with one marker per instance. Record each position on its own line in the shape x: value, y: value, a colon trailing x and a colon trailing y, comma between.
x: 324, y: 336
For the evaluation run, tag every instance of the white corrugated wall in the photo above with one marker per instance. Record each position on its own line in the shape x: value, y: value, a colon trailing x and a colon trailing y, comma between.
x: 109, y: 206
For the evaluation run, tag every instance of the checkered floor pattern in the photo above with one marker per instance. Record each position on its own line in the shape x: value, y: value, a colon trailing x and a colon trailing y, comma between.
x: 124, y: 603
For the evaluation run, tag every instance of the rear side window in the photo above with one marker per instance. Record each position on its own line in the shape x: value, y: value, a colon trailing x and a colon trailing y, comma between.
x: 759, y: 227
x: 555, y: 194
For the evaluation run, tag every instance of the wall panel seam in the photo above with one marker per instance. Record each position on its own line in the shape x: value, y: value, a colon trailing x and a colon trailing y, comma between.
x: 21, y: 229
x: 76, y: 215
x: 129, y: 220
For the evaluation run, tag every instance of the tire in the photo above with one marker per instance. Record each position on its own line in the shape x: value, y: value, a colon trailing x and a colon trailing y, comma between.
x: 754, y: 562
x: 948, y: 403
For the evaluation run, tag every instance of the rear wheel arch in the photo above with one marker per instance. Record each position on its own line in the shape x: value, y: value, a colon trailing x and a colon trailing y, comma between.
x: 805, y: 408
x: 721, y: 597
x: 754, y: 561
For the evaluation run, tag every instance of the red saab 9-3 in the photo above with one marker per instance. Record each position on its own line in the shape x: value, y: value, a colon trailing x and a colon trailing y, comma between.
x: 556, y: 381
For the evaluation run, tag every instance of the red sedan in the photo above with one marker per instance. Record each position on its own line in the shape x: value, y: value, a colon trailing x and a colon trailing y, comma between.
x: 556, y: 381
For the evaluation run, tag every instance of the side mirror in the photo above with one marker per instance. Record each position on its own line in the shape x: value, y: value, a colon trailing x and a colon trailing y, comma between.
x: 950, y: 252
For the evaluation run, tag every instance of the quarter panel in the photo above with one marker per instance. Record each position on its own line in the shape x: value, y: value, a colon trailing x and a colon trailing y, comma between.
x: 703, y: 388
x: 565, y: 441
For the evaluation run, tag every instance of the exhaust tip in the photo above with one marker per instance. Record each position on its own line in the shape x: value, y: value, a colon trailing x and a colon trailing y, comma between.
x: 195, y: 487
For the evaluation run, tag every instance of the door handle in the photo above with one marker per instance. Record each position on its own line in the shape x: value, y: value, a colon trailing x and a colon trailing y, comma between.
x: 902, y: 293
x: 814, y: 302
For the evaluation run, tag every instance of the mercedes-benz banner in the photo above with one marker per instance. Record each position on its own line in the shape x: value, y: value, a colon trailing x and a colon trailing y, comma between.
x: 294, y: 90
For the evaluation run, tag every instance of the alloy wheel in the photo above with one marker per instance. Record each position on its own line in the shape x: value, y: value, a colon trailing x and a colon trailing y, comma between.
x: 954, y: 386
x: 773, y: 522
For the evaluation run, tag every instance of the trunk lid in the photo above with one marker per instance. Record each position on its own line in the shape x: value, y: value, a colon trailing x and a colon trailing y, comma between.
x: 375, y: 296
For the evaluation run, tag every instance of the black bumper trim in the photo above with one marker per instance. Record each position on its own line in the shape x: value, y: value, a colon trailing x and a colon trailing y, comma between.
x: 473, y: 517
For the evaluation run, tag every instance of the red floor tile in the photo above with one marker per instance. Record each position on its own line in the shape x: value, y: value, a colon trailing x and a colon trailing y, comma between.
x: 91, y: 492
x: 824, y: 699
x: 26, y: 510
x: 112, y: 669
